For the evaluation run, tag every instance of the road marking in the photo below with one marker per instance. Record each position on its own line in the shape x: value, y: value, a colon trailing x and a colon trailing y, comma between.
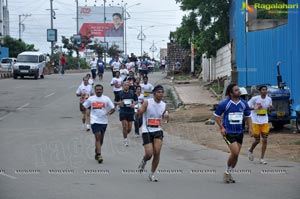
x: 20, y: 86
x: 23, y: 106
x: 9, y: 176
x: 49, y: 95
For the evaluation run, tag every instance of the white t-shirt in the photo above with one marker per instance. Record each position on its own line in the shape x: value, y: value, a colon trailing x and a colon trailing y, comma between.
x: 82, y: 89
x: 153, y: 114
x: 99, y: 107
x: 260, y: 116
x: 93, y: 64
x: 91, y: 82
x: 130, y: 66
x: 140, y: 101
x: 117, y: 83
x: 147, y: 89
x: 124, y: 72
x: 116, y: 66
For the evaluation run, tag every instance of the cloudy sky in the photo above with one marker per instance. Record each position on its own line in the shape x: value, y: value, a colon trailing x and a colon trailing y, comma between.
x: 164, y: 15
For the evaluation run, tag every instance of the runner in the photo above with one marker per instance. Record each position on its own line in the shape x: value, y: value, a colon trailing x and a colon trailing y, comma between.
x: 260, y: 105
x: 143, y: 68
x: 115, y: 66
x: 138, y: 121
x: 131, y: 79
x: 153, y: 111
x: 100, y: 65
x: 123, y: 72
x: 100, y: 106
x: 234, y: 109
x: 93, y: 65
x: 126, y: 100
x: 84, y: 91
x: 146, y: 88
x: 116, y: 82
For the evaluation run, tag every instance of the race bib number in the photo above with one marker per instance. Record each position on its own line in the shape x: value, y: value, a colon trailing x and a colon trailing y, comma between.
x: 127, y: 102
x: 146, y: 94
x: 154, y: 122
x: 98, y: 105
x: 235, y: 118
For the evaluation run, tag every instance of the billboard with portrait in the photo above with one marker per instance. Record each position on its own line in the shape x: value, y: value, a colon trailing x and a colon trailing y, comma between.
x: 91, y: 23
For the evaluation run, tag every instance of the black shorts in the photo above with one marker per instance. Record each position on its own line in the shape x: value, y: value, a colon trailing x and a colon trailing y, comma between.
x: 144, y: 72
x: 93, y: 71
x: 234, y: 137
x: 126, y: 116
x: 149, y: 137
x: 99, y: 128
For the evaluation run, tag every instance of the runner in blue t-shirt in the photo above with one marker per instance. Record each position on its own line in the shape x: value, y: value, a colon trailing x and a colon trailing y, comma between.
x: 234, y: 109
x: 100, y: 67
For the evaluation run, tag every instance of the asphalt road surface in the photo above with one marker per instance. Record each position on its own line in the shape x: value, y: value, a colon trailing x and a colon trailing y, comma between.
x: 44, y: 153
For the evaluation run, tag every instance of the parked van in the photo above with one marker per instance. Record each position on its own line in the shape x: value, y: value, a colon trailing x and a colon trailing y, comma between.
x: 30, y: 63
x: 6, y: 63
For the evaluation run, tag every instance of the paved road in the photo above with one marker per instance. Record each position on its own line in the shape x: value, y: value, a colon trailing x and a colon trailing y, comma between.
x: 44, y: 153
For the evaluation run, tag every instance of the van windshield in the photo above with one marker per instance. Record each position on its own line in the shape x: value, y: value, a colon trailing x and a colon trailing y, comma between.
x: 5, y: 61
x: 27, y: 58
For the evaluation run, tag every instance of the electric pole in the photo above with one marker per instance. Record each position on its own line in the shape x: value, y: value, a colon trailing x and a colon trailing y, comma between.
x: 20, y: 23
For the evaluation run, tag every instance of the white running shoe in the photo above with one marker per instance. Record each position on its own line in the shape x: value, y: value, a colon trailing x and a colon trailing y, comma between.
x: 153, y: 178
x: 262, y: 161
x: 88, y: 127
x: 250, y: 155
x: 142, y: 165
x: 125, y: 142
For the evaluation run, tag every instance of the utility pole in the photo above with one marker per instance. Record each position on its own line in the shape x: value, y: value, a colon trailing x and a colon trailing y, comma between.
x: 141, y: 37
x: 106, y: 44
x: 192, y: 55
x: 153, y: 49
x: 77, y: 23
x: 52, y: 15
x: 20, y: 23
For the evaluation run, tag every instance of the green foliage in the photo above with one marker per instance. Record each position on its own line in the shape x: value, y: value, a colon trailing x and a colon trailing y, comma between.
x: 98, y: 47
x: 16, y: 46
x: 114, y: 51
x: 208, y: 21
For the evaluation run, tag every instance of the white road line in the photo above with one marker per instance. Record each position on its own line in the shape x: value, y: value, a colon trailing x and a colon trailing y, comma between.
x: 49, y: 95
x: 9, y: 176
x: 20, y: 86
x: 23, y: 106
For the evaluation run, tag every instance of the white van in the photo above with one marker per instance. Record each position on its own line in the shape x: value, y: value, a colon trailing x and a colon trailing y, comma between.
x: 30, y: 63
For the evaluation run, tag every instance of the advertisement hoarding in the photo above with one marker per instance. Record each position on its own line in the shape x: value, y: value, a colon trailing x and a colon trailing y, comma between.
x: 91, y: 24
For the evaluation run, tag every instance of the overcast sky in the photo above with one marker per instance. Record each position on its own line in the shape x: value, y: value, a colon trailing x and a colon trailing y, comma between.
x: 164, y: 15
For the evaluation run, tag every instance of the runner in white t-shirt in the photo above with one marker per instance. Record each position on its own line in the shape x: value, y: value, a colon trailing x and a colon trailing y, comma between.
x: 259, y: 106
x: 130, y: 65
x: 116, y: 65
x: 154, y: 110
x: 146, y: 88
x: 123, y: 72
x: 116, y: 83
x: 84, y: 91
x: 93, y: 65
x: 100, y: 106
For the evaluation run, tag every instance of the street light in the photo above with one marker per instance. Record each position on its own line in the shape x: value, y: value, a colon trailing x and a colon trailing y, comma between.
x: 125, y: 24
x: 141, y: 36
x: 153, y: 47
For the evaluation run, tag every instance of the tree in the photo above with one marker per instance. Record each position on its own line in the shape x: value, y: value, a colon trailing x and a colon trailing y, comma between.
x: 209, y: 20
x: 114, y: 51
x: 98, y: 47
x: 16, y: 46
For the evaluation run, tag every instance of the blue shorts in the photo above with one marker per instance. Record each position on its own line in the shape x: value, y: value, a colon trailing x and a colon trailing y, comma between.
x: 99, y: 128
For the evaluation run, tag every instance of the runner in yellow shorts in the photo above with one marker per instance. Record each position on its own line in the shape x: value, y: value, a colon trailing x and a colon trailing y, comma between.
x: 260, y: 123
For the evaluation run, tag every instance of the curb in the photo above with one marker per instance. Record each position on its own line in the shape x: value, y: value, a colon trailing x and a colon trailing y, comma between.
x: 5, y: 75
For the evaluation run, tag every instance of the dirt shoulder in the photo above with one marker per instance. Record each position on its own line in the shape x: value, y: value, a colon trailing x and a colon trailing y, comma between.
x: 188, y: 122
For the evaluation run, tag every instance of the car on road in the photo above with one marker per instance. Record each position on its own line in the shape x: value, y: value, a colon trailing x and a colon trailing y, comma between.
x: 30, y: 63
x: 6, y: 63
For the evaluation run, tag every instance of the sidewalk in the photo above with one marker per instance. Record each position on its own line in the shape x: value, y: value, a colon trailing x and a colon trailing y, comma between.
x: 194, y: 93
x: 5, y: 75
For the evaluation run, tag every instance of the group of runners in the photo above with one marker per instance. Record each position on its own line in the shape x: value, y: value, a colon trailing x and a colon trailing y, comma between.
x: 137, y: 101
x: 142, y: 104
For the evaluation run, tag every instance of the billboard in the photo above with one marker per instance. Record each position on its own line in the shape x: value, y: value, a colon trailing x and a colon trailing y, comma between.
x: 91, y: 23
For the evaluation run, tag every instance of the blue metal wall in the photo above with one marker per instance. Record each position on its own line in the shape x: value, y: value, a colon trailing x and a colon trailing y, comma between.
x: 265, y: 48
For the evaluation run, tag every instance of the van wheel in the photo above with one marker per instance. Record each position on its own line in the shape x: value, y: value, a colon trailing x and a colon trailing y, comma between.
x: 15, y: 76
x: 42, y: 75
x: 22, y: 76
x: 36, y: 75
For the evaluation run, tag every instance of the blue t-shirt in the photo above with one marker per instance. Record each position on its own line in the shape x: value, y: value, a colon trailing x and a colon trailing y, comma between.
x: 100, y: 65
x: 144, y: 65
x: 233, y: 114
